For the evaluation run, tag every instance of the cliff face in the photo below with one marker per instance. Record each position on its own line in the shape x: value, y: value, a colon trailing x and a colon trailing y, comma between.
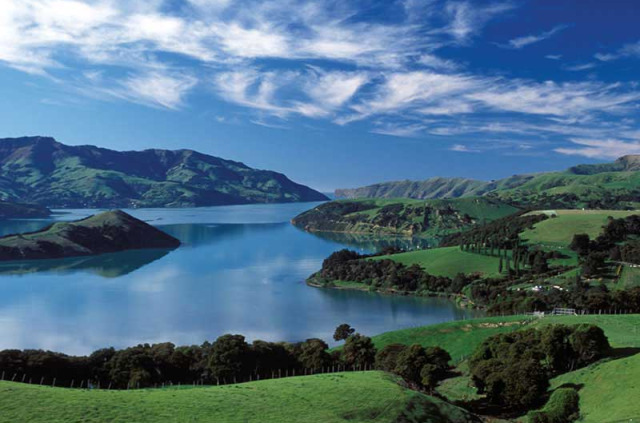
x: 106, y: 232
x: 43, y: 171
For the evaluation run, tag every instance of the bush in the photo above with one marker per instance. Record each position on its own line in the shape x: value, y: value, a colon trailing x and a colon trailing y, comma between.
x: 562, y: 407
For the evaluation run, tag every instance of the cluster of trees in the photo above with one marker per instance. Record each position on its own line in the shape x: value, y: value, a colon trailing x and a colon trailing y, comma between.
x: 499, y: 298
x: 346, y: 265
x: 593, y: 254
x: 501, y: 234
x: 420, y: 367
x: 229, y: 359
x: 514, y: 369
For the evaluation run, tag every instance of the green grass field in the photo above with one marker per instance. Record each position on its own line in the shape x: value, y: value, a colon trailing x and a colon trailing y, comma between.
x: 609, y: 392
x: 559, y: 231
x: 608, y: 385
x: 448, y: 261
x: 460, y: 338
x: 343, y: 397
x: 629, y: 278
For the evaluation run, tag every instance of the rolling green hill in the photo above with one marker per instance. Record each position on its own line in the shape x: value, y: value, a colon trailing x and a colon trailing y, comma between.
x: 560, y: 230
x: 401, y: 216
x: 448, y: 261
x: 610, y: 185
x: 42, y: 171
x: 343, y: 397
x: 607, y: 388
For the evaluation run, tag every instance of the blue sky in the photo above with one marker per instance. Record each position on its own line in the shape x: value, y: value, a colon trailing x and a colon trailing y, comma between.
x: 332, y: 93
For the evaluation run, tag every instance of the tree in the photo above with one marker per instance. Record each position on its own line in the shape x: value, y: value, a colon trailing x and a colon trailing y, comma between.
x: 387, y: 357
x: 313, y: 354
x: 580, y: 243
x: 229, y: 357
x: 410, y: 362
x: 500, y: 265
x: 342, y: 332
x: 359, y: 351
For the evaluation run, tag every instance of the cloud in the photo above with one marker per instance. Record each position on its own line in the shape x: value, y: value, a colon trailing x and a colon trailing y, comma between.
x: 601, y: 149
x: 628, y: 50
x: 467, y: 18
x: 580, y: 67
x: 461, y: 148
x: 553, y: 56
x: 520, y: 42
x: 317, y: 59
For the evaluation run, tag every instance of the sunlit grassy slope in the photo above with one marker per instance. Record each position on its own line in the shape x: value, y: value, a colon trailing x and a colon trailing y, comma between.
x: 560, y: 230
x: 344, y: 397
x: 448, y: 261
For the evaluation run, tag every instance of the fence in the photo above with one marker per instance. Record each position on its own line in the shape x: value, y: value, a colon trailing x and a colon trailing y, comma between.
x: 253, y: 377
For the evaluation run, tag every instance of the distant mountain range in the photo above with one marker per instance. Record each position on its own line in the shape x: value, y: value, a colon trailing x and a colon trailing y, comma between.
x: 42, y: 171
x: 609, y: 185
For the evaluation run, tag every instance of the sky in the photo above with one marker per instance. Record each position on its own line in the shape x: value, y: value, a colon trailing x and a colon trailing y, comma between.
x: 334, y: 94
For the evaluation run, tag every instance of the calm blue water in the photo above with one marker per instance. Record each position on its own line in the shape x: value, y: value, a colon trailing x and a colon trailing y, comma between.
x: 241, y: 270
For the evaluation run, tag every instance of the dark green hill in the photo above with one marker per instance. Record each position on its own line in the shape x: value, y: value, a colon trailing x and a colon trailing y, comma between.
x: 43, y: 171
x: 402, y: 216
x: 17, y: 210
x: 106, y: 232
x: 604, y: 186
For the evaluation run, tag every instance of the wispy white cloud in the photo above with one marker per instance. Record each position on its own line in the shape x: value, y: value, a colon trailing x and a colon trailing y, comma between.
x: 553, y: 56
x: 520, y: 42
x: 461, y: 148
x: 601, y: 149
x: 580, y: 67
x: 468, y: 18
x: 320, y: 59
x: 628, y: 50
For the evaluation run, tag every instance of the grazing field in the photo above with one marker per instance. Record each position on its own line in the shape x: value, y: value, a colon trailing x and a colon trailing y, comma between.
x: 559, y: 231
x: 460, y: 338
x: 609, y: 391
x: 342, y: 397
x: 448, y: 261
x: 608, y: 386
x: 629, y: 278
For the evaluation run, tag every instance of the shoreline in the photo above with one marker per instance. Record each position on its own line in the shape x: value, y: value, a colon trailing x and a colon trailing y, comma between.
x: 458, y: 300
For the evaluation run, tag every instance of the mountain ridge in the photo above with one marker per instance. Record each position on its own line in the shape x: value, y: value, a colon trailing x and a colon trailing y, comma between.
x: 589, y: 185
x: 44, y: 171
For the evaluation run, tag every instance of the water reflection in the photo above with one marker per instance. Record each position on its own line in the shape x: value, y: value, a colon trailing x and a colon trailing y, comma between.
x: 109, y: 265
x: 375, y: 242
x: 226, y: 278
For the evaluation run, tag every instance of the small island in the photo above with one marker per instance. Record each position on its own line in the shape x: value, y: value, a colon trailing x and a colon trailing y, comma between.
x: 106, y: 232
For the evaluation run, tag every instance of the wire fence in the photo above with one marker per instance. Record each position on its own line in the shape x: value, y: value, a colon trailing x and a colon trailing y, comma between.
x: 215, y: 381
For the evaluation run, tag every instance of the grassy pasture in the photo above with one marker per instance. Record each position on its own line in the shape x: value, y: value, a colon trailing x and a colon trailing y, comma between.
x: 559, y: 231
x: 448, y: 261
x: 344, y: 397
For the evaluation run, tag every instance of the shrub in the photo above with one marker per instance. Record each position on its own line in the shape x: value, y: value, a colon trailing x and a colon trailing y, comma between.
x: 562, y: 407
